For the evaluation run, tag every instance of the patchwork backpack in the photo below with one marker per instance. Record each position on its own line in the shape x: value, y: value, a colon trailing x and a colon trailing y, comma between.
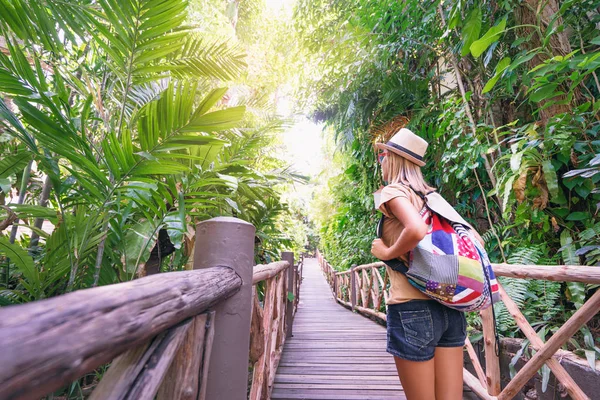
x: 449, y: 264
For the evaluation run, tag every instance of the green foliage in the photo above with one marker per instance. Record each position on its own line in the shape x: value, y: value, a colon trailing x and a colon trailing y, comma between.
x: 523, y: 135
x: 127, y: 114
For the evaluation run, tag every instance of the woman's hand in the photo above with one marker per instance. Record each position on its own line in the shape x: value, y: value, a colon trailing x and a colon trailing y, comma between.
x: 380, y: 250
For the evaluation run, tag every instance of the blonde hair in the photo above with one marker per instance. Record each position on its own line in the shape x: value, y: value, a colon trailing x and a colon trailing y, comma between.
x: 397, y: 169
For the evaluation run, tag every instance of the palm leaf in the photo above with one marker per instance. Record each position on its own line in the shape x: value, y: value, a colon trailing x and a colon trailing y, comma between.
x: 23, y: 262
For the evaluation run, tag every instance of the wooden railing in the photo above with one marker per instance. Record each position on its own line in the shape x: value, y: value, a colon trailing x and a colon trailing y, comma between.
x: 178, y: 335
x: 272, y: 320
x: 365, y: 289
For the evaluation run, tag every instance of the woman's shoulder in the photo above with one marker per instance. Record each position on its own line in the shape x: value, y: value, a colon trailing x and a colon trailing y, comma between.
x: 395, y: 190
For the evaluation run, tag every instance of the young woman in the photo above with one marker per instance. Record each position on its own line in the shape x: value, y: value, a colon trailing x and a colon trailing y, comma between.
x: 425, y: 337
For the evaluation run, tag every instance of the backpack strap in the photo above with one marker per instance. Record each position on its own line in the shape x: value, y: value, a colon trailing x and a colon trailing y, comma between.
x: 395, y: 264
x: 420, y: 194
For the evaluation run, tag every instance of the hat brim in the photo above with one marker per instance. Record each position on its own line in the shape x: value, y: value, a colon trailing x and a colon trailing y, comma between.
x: 402, y: 154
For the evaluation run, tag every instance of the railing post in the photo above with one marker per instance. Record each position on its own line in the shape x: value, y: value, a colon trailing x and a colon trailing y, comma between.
x: 492, y: 362
x: 289, y: 308
x: 335, y: 286
x: 229, y: 242
x: 353, y: 286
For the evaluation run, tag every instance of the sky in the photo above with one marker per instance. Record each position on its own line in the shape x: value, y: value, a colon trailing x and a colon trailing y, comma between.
x: 303, y: 142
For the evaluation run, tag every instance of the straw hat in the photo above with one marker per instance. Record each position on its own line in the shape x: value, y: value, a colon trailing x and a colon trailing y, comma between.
x: 406, y: 144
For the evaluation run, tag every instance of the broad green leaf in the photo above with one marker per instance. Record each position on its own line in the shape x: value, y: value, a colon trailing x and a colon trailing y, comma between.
x: 148, y: 167
x: 13, y: 163
x: 550, y: 177
x: 22, y: 261
x: 544, y: 92
x: 576, y: 290
x: 471, y: 30
x: 545, y: 377
x: 578, y: 216
x: 137, y: 245
x: 217, y: 120
x: 508, y: 189
x: 196, y: 140
x: 32, y: 211
x: 176, y: 228
x: 500, y: 68
x: 590, y: 355
x: 6, y: 184
x: 492, y: 35
x: 522, y: 59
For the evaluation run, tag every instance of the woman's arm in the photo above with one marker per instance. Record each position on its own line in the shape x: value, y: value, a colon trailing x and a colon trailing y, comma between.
x: 478, y: 236
x: 414, y: 230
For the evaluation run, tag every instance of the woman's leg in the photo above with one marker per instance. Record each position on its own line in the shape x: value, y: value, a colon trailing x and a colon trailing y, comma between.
x: 448, y: 373
x: 417, y: 378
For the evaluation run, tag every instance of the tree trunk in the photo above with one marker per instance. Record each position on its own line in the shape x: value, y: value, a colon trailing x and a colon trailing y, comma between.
x: 528, y: 14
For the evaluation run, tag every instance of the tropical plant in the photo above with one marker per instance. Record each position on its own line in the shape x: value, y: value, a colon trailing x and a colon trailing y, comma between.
x: 113, y: 115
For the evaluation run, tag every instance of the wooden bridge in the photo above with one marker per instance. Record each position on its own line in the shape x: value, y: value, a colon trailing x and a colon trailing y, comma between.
x: 334, y: 354
x: 195, y: 335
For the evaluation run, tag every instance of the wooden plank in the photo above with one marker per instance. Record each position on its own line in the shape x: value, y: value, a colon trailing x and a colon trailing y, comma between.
x: 309, y: 393
x: 147, y: 383
x: 336, y: 371
x: 123, y: 371
x: 49, y: 343
x: 208, y: 345
x: 182, y: 380
x: 281, y: 377
x: 339, y: 386
x: 343, y: 396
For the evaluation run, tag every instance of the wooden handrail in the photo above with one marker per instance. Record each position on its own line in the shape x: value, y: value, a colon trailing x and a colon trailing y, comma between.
x: 49, y: 343
x: 263, y: 272
x: 175, y: 336
x: 562, y: 273
x: 362, y: 288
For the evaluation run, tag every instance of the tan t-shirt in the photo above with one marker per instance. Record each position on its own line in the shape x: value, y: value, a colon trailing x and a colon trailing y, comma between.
x: 400, y: 290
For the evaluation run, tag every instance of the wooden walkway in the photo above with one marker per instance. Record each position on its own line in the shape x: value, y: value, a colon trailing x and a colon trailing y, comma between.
x: 334, y: 353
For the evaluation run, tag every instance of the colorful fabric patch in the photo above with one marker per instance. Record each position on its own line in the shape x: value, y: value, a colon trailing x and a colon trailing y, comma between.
x: 450, y: 266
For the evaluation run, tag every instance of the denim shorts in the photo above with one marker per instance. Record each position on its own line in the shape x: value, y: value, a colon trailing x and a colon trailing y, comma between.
x: 417, y: 327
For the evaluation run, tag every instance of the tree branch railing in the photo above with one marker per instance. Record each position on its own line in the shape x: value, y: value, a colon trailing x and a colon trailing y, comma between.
x: 365, y: 289
x: 178, y: 335
x: 271, y: 320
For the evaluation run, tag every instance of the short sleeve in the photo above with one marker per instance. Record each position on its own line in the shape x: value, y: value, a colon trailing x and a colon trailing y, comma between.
x: 391, y: 192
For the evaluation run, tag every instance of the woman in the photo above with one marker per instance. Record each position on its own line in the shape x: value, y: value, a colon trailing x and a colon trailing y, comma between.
x: 425, y: 337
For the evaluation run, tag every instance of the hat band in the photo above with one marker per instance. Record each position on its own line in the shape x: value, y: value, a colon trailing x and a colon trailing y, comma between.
x: 404, y: 149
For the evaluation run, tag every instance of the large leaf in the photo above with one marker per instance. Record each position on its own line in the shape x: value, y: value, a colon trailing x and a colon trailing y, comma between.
x: 137, y: 245
x: 14, y: 163
x: 550, y: 177
x: 471, y: 30
x: 500, y: 68
x: 491, y: 36
x: 217, y: 120
x: 22, y: 261
x: 24, y: 211
x: 576, y: 290
x: 544, y: 92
